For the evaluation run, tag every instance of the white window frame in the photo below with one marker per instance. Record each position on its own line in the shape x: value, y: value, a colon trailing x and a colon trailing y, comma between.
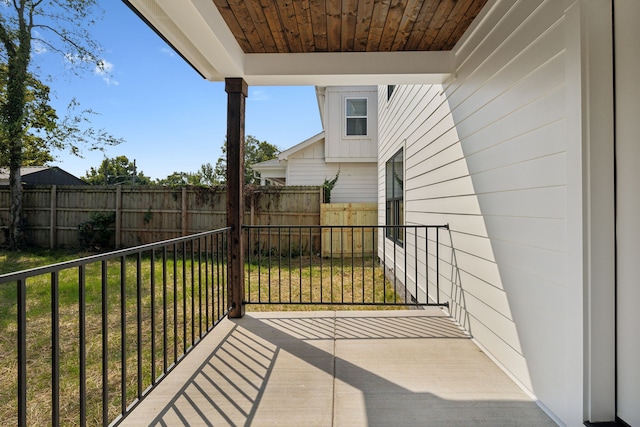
x: 347, y: 116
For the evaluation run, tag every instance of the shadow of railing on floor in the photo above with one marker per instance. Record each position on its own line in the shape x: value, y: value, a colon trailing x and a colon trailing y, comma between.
x: 251, y: 349
x: 236, y: 372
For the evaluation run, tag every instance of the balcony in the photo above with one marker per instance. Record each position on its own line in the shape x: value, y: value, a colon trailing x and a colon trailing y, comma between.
x: 338, y: 368
x: 147, y: 338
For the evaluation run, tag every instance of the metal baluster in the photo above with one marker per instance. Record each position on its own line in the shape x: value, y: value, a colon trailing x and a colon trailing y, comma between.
x: 438, y: 265
x: 321, y: 266
x: 152, y: 279
x: 300, y: 259
x: 426, y: 259
x: 199, y: 289
x: 164, y: 310
x: 105, y: 344
x: 184, y: 298
x: 280, y: 264
x: 310, y: 268
x: 415, y: 262
x: 353, y: 266
x: 206, y: 283
x: 193, y: 295
x: 269, y: 262
x: 331, y: 261
x: 175, y: 303
x: 123, y: 335
x: 342, y: 263
x: 21, y: 290
x: 290, y: 284
x: 82, y: 315
x: 139, y: 321
x: 55, y: 349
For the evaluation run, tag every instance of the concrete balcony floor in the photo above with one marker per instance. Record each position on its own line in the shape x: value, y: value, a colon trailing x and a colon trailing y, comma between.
x: 342, y: 368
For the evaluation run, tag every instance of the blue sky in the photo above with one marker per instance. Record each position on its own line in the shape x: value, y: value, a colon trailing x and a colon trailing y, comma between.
x: 170, y: 118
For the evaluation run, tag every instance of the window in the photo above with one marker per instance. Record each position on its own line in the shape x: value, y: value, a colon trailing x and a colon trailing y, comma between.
x: 394, y: 197
x: 390, y: 89
x: 356, y: 116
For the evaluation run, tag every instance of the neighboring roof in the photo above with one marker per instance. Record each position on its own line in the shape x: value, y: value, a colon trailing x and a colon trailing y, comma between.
x: 277, y: 164
x: 301, y: 146
x: 325, y: 42
x: 42, y: 175
x: 272, y: 170
x: 25, y: 170
x: 273, y: 164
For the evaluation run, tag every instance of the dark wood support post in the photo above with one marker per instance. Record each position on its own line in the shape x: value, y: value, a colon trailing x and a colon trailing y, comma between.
x: 236, y: 89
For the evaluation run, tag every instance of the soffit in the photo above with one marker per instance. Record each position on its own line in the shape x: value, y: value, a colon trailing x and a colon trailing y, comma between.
x: 320, y: 42
x: 293, y: 26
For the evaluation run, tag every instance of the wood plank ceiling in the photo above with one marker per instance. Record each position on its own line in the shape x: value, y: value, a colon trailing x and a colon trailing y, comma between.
x: 297, y: 26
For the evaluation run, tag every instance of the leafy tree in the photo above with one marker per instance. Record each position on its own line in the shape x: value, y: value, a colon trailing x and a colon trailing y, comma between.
x: 203, y: 177
x: 116, y: 170
x: 59, y: 26
x: 39, y: 117
x: 176, y: 178
x: 180, y: 178
x: 255, y: 151
x: 207, y: 175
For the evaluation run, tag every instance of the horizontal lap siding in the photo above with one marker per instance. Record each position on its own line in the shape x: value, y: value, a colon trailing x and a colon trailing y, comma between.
x: 309, y: 171
x: 357, y: 183
x: 486, y: 154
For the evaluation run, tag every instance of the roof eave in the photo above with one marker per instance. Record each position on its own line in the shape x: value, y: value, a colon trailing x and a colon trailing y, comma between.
x: 283, y: 156
x: 197, y: 31
x: 354, y: 68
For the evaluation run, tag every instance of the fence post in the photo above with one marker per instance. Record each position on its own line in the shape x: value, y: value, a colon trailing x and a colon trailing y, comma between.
x: 183, y: 213
x: 118, y: 216
x: 53, y: 217
x: 237, y: 91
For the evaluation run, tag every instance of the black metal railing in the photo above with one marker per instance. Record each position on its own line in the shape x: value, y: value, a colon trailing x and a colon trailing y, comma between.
x: 95, y: 335
x: 354, y: 265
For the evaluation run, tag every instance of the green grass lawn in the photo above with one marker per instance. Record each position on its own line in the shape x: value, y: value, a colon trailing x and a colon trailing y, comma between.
x: 184, y: 280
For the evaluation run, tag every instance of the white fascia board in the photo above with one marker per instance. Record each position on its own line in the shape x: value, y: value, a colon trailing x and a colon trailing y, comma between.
x: 320, y: 97
x: 300, y: 146
x: 219, y: 45
x: 277, y: 169
x: 198, y: 32
x: 351, y: 160
x: 341, y: 69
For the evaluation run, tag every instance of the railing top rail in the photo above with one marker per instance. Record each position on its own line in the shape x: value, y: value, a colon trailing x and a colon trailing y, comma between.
x: 445, y: 226
x: 20, y: 275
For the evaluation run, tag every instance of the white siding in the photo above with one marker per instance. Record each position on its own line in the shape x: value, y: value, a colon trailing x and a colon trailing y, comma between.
x: 342, y: 148
x: 357, y: 181
x: 487, y: 154
x: 628, y: 226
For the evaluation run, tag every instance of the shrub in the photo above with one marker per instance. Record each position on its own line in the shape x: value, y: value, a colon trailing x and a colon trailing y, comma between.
x: 97, y: 233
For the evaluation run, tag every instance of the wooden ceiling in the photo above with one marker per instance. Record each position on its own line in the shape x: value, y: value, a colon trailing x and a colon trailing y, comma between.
x: 297, y: 26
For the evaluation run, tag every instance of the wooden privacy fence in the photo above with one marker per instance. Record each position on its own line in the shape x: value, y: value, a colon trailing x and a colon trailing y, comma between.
x: 346, y: 231
x: 145, y: 214
x: 357, y: 239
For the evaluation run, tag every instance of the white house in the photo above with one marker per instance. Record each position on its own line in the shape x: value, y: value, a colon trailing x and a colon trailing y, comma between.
x: 518, y: 153
x: 348, y: 144
x: 519, y: 131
